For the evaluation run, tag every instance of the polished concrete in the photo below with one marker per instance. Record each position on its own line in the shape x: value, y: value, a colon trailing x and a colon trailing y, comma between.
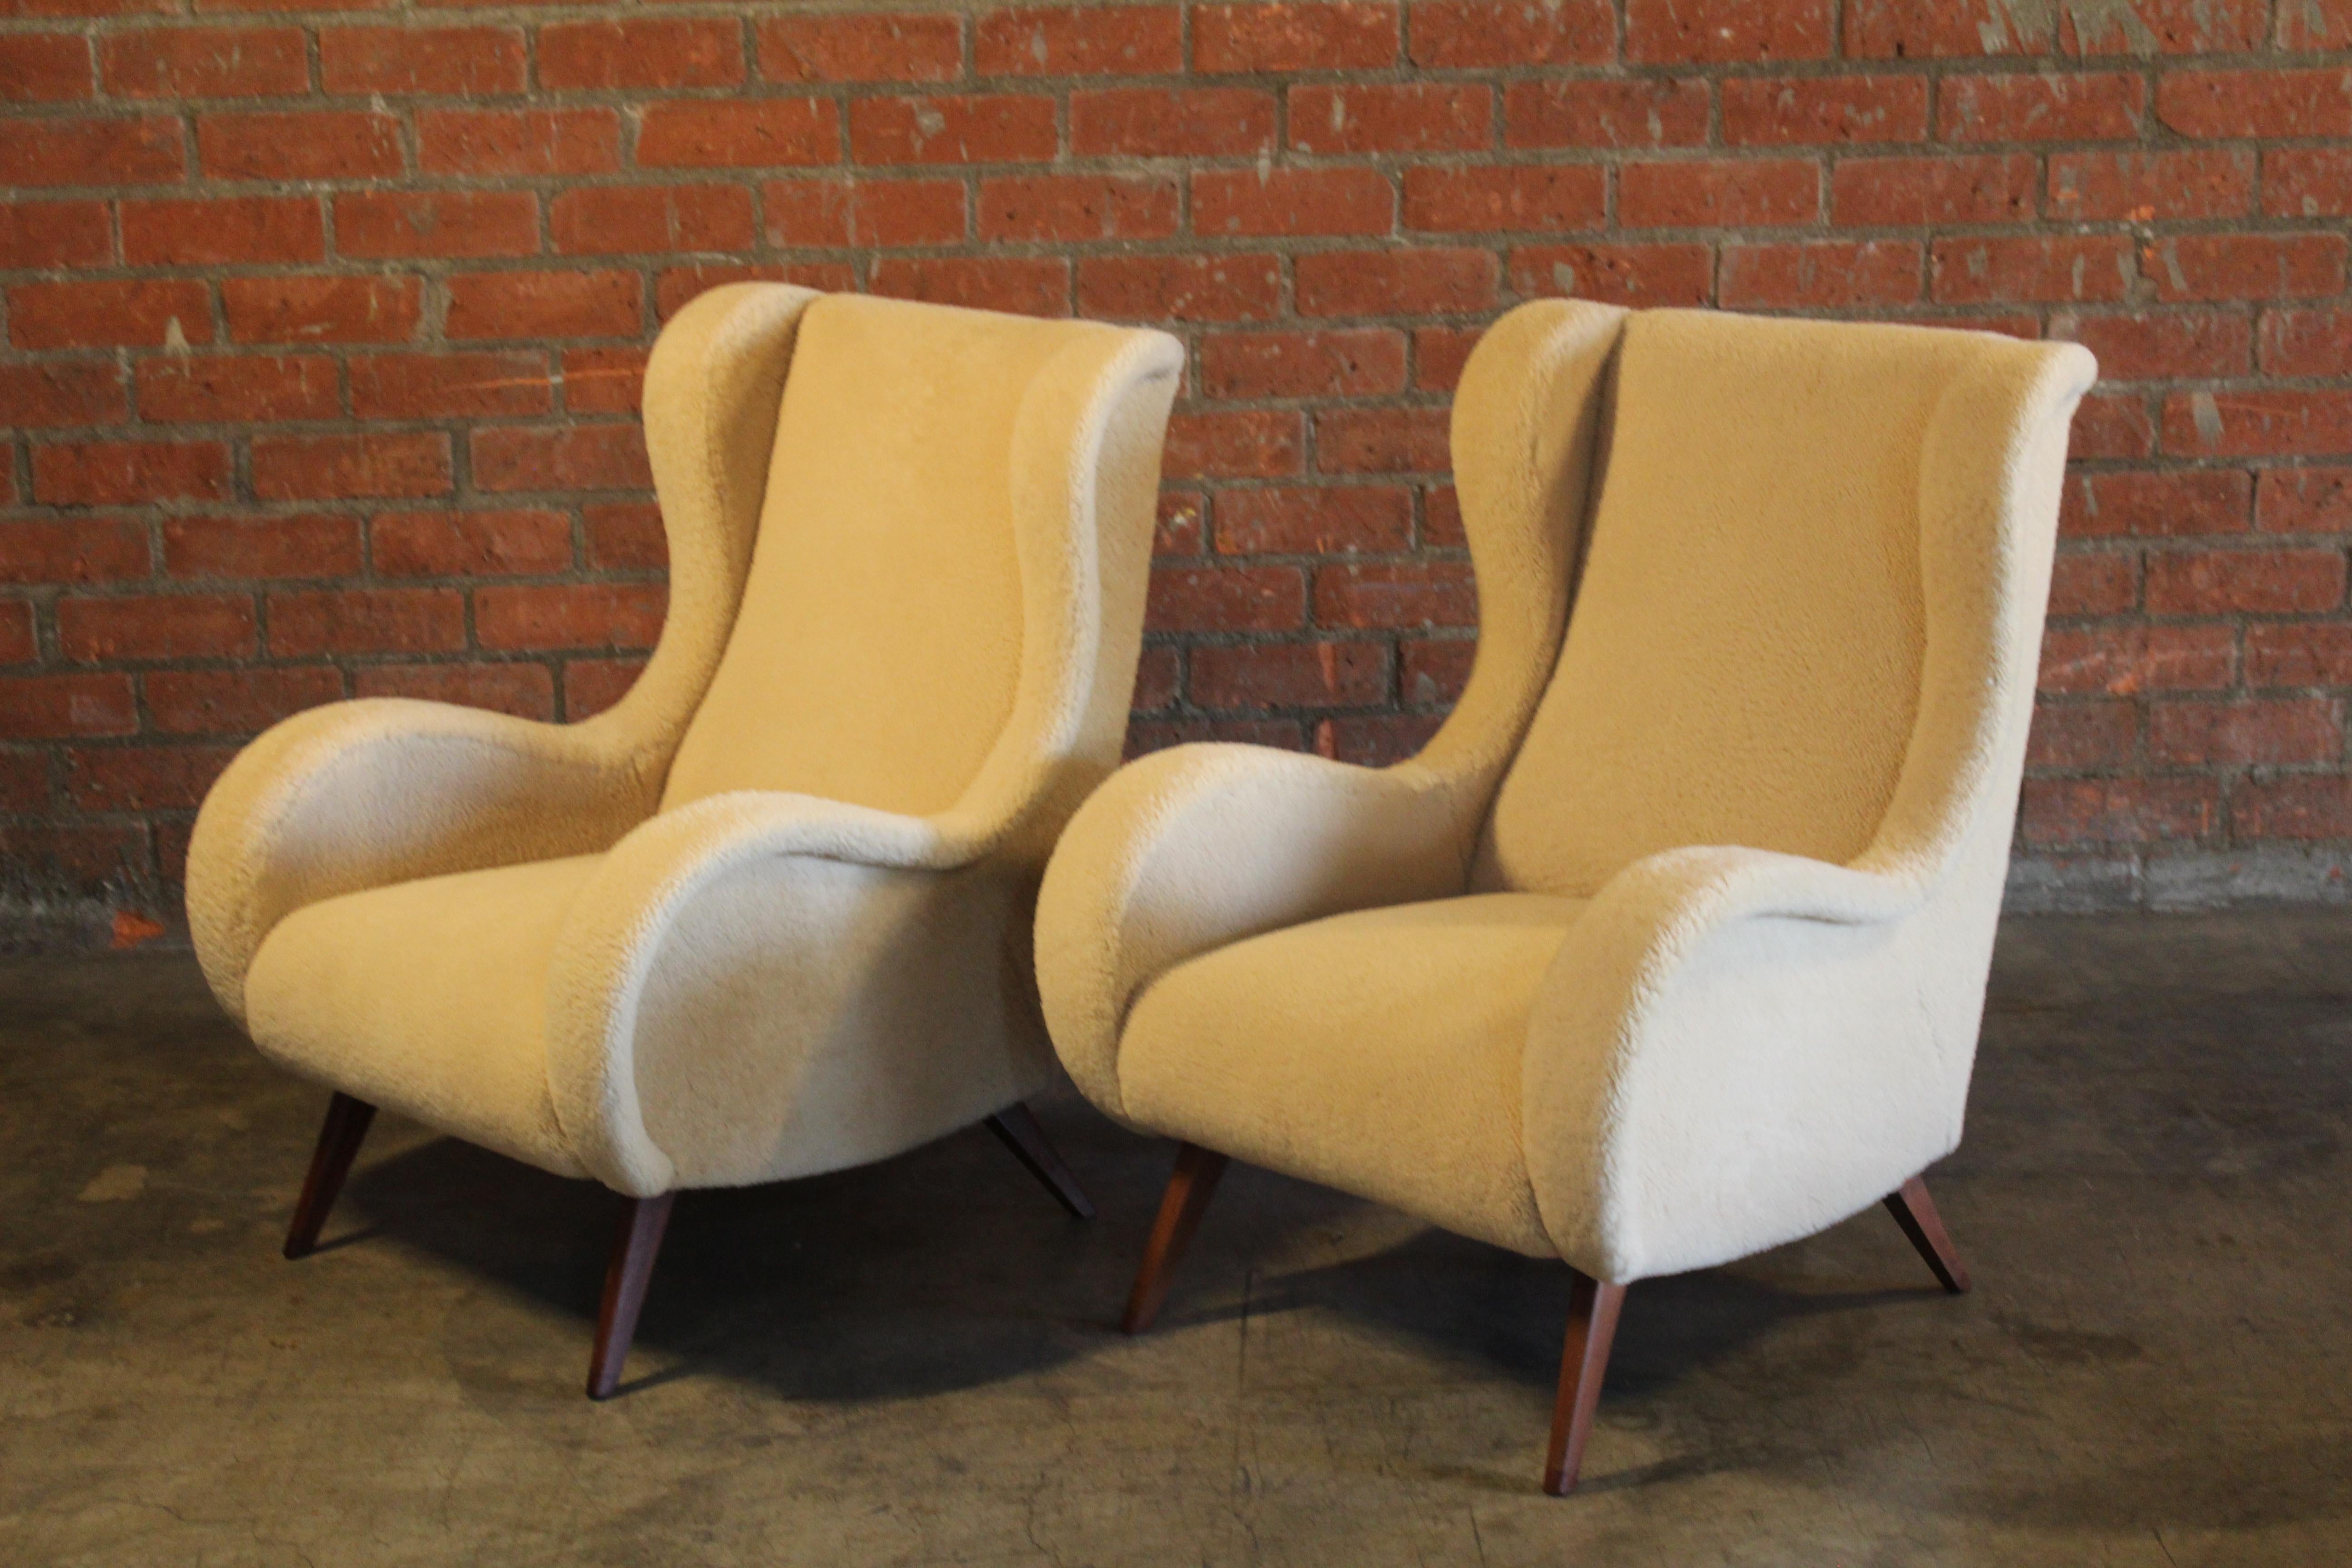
x: 913, y: 1363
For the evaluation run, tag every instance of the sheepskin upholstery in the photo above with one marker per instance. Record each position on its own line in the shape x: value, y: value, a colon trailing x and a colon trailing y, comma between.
x: 770, y: 914
x: 1671, y: 945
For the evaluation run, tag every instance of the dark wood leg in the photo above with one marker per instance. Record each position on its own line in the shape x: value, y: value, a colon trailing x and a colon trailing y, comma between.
x: 625, y: 1279
x: 1021, y: 1133
x: 339, y: 1142
x: 1181, y: 1207
x: 1592, y: 1309
x: 1915, y: 1211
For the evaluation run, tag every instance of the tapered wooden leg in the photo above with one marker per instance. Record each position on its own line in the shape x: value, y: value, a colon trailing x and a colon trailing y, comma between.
x: 1180, y: 1206
x: 1021, y: 1133
x: 339, y: 1143
x: 1592, y: 1309
x: 625, y: 1279
x: 1915, y: 1211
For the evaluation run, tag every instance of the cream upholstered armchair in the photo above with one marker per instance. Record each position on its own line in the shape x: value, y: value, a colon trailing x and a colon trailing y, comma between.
x: 1671, y: 946
x: 769, y: 915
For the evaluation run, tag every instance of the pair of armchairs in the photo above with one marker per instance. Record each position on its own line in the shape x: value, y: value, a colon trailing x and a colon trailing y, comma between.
x: 1670, y: 947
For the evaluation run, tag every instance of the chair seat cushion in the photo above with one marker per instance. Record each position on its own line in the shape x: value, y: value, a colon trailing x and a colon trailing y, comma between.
x: 1378, y: 1052
x: 429, y: 999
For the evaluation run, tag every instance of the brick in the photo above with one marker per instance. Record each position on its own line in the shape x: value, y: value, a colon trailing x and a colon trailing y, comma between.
x: 2296, y: 806
x: 2164, y: 26
x: 2116, y: 811
x: 479, y: 143
x: 1289, y: 674
x: 1907, y: 192
x: 1382, y: 440
x: 1180, y: 528
x: 163, y: 625
x: 312, y: 145
x: 1374, y: 740
x: 2121, y: 661
x: 2112, y: 426
x: 1222, y: 288
x: 2256, y: 103
x: 2237, y: 734
x: 1439, y: 355
x: 246, y: 548
x: 56, y: 394
x: 1091, y: 40
x: 1643, y: 277
x: 98, y: 858
x: 2244, y: 266
x: 2104, y: 584
x: 145, y: 151
x: 2087, y: 105
x: 523, y: 542
x: 126, y: 473
x: 394, y: 223
x: 1065, y: 207
x: 1226, y: 599
x: 2196, y: 502
x: 223, y: 229
x: 1256, y: 445
x: 1317, y: 521
x: 1145, y: 738
x: 754, y: 133
x: 1929, y: 29
x: 1733, y: 193
x: 568, y: 458
x: 2042, y: 268
x: 143, y: 778
x: 1670, y: 32
x: 2142, y: 187
x: 1391, y: 116
x: 2158, y: 344
x: 46, y: 68
x: 1024, y: 285
x: 1477, y: 35
x: 1827, y: 274
x: 1455, y: 198
x: 18, y: 644
x: 626, y: 537
x: 1292, y: 202
x: 1171, y: 122
x: 450, y: 384
x: 1363, y: 362
x: 1435, y: 672
x: 1305, y: 35
x: 585, y: 304
x: 891, y: 48
x: 41, y: 551
x: 321, y: 309
x: 616, y: 220
x: 259, y: 389
x: 138, y: 313
x: 1660, y: 111
x: 2298, y: 653
x: 453, y: 62
x: 2244, y: 581
x: 1394, y: 282
x: 664, y: 53
x: 881, y: 213
x: 367, y: 620
x: 574, y: 615
x: 985, y: 128
x: 593, y: 685
x: 604, y: 380
x: 2259, y: 424
x: 2079, y: 735
x: 206, y: 62
x: 235, y: 703
x: 1419, y: 595
x: 2320, y: 25
x: 2304, y: 501
x: 23, y: 784
x: 674, y: 285
x: 1158, y: 676
x: 1823, y: 110
x: 371, y: 463
x: 55, y: 707
x: 2308, y: 181
x: 54, y: 233
x: 525, y: 690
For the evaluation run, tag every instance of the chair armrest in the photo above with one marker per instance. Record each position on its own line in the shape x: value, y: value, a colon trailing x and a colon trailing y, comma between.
x: 1735, y: 1049
x: 1196, y: 847
x: 362, y: 795
x: 613, y: 934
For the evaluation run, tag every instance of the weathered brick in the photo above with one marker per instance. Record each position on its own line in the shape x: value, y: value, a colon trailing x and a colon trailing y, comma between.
x: 383, y: 225
x: 1382, y: 440
x: 127, y: 473
x: 237, y: 388
x: 2259, y: 424
x: 886, y: 48
x: 367, y: 620
x: 2118, y: 811
x: 626, y: 537
x: 145, y: 312
x: 1967, y: 188
x: 2294, y: 806
x: 2250, y: 103
x: 1643, y: 277
x: 618, y: 220
x: 2308, y: 181
x: 525, y: 690
x: 981, y: 128
x: 54, y: 233
x: 1024, y: 285
x: 55, y: 707
x: 1391, y: 116
x: 2256, y: 731
x: 371, y: 463
x: 1361, y: 362
x: 1341, y: 201
x: 451, y: 62
x: 1416, y: 595
x: 1650, y: 112
x: 2089, y: 105
x: 1393, y: 282
x: 2180, y: 502
x: 2244, y: 581
x: 1220, y: 287
x: 321, y: 309
x: 2305, y: 500
x: 57, y: 393
x: 206, y: 62
x: 583, y: 304
x: 2244, y: 266
x: 1322, y: 520
x: 2074, y: 736
x: 1289, y: 674
x: 1543, y: 197
x: 1790, y: 110
x: 740, y: 133
x: 2106, y: 583
x: 1167, y: 122
x: 474, y: 543
x: 593, y: 685
x: 883, y: 213
x: 1090, y: 40
x: 1473, y: 34
x: 1740, y: 193
x: 312, y: 145
x: 2145, y: 345
x: 308, y: 545
x: 1226, y: 599
x: 2298, y: 653
x: 78, y: 151
x: 2142, y: 187
x: 143, y: 778
x: 484, y: 141
x: 1825, y: 274
x: 450, y: 385
x: 1065, y: 207
x: 1256, y: 445
x: 567, y: 616
x: 47, y: 67
x: 158, y: 626
x: 2164, y: 26
x: 44, y: 550
x: 235, y: 703
x: 566, y: 458
x: 2042, y: 269
x: 2124, y: 660
x: 1928, y: 29
x: 1671, y: 32
x: 1299, y: 36
x: 660, y: 53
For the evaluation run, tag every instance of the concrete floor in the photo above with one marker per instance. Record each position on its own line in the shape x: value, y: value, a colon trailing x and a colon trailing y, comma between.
x: 912, y: 1364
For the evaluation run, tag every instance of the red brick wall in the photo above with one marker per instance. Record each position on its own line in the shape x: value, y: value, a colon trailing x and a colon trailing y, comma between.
x: 322, y: 328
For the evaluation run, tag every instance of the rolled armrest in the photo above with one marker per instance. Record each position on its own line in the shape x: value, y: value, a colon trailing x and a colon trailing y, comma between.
x: 362, y: 795
x: 1196, y: 847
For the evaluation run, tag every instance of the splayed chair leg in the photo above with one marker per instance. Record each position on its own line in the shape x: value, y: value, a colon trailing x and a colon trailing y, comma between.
x: 1592, y: 1309
x: 338, y: 1144
x: 1915, y: 1211
x: 1019, y: 1132
x: 626, y: 1277
x: 1181, y: 1207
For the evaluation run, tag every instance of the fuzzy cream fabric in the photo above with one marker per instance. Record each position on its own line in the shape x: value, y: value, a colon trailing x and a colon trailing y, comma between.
x: 1671, y: 946
x: 771, y: 913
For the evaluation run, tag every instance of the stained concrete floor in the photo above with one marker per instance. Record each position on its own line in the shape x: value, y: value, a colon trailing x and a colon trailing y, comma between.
x: 912, y: 1364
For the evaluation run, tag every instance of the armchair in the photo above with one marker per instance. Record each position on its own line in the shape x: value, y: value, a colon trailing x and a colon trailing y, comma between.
x: 770, y: 914
x: 1671, y: 945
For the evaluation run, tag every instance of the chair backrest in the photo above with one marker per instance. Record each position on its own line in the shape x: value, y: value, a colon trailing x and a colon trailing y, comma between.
x: 1744, y: 659
x: 878, y: 650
